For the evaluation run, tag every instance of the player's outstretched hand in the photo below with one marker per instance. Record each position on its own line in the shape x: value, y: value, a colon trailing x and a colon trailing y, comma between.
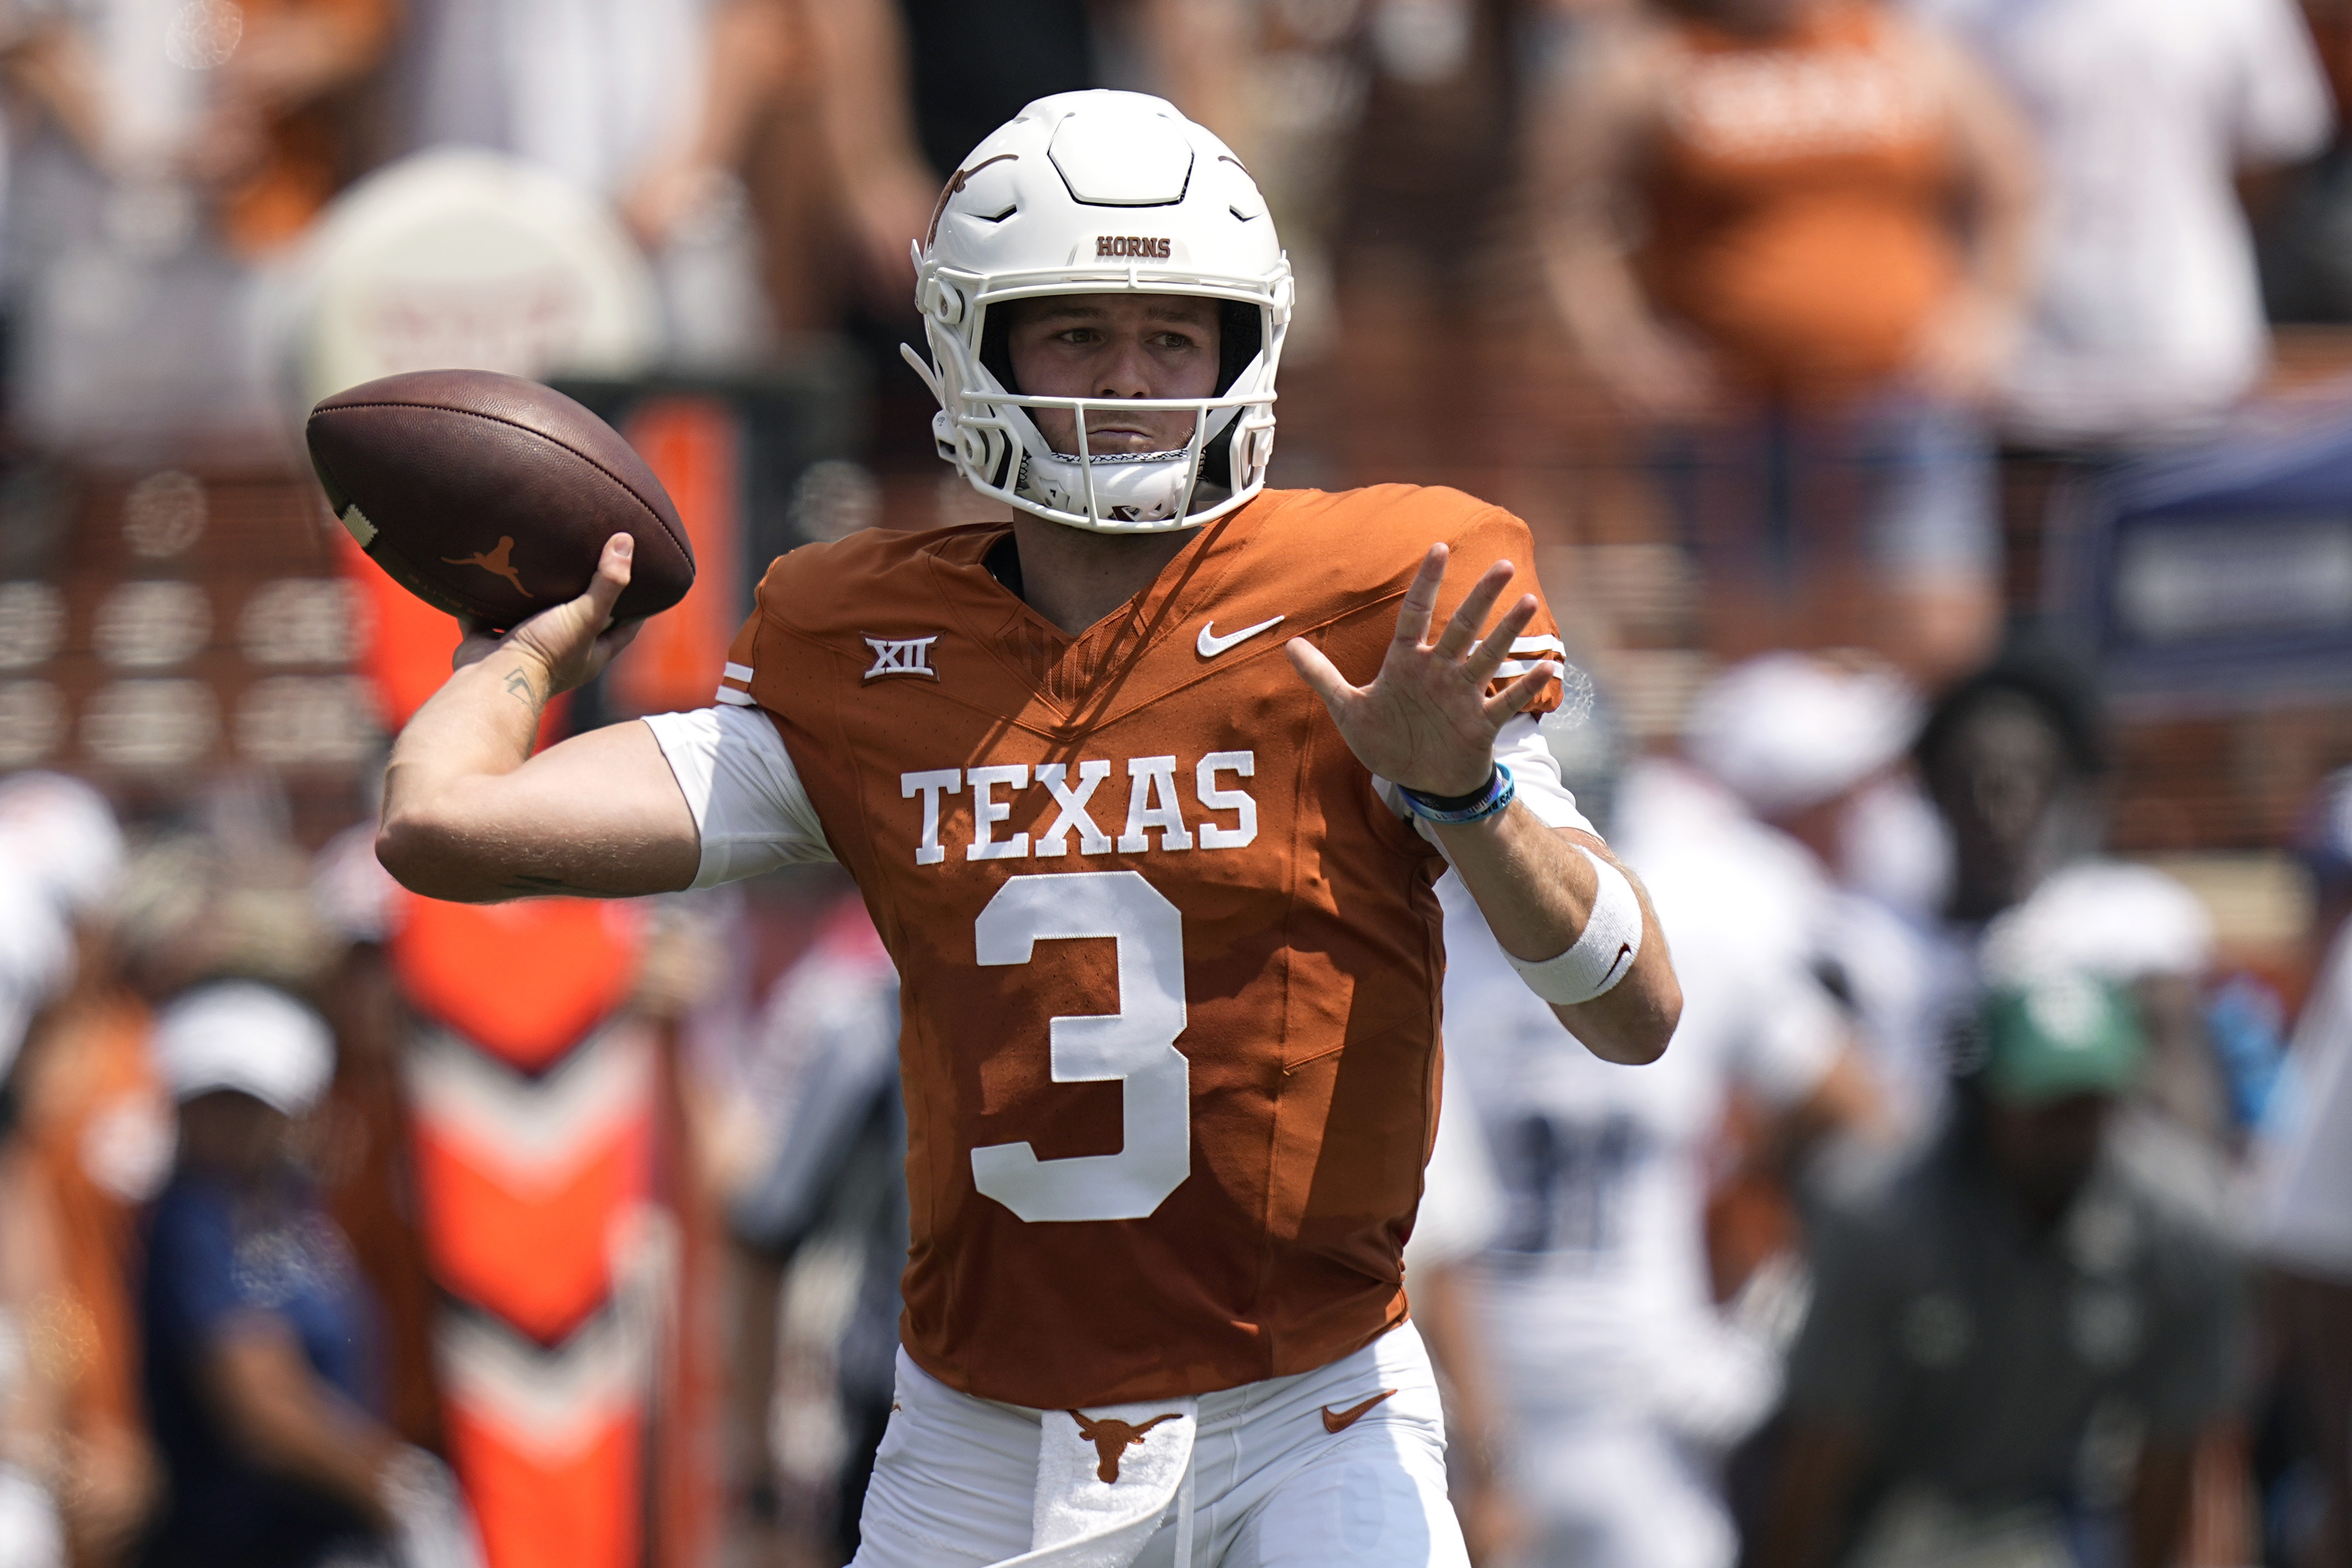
x: 1426, y: 721
x: 572, y: 643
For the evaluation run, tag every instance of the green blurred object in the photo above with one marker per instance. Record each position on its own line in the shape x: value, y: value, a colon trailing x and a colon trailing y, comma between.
x: 2059, y: 1035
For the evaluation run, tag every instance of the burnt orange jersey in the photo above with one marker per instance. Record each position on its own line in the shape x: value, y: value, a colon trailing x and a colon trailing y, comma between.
x: 1171, y: 966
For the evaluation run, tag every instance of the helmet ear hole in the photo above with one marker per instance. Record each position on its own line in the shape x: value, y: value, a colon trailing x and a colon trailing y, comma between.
x: 1240, y: 336
x: 996, y: 347
x: 1217, y: 460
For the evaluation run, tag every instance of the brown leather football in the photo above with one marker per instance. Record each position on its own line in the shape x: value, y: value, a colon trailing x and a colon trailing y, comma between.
x: 489, y: 496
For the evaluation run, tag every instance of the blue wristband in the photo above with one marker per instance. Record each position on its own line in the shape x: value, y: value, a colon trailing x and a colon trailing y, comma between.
x: 1488, y: 801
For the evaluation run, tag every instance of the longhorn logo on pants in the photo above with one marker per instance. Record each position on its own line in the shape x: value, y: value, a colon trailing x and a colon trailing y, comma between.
x: 1112, y: 1438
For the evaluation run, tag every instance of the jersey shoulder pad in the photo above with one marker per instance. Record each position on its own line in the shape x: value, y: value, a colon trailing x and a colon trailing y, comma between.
x: 1342, y: 548
x: 869, y: 578
x: 1432, y: 512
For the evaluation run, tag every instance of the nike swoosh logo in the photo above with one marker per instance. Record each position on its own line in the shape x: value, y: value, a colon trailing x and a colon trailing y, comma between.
x: 1622, y: 949
x: 1211, y: 645
x: 1338, y: 1421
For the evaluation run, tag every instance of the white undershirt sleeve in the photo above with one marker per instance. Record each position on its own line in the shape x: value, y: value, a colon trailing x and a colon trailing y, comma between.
x: 1534, y: 779
x: 738, y: 780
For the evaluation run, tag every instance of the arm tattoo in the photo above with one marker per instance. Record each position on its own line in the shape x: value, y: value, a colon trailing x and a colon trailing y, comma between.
x: 543, y: 885
x: 519, y: 687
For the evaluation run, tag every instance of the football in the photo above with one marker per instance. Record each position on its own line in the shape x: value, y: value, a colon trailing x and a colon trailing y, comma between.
x: 490, y: 497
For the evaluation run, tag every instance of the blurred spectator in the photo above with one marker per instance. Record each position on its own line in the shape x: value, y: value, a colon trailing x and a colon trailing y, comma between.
x: 2302, y: 1210
x: 2147, y: 317
x: 1791, y: 232
x: 34, y: 951
x: 171, y: 147
x: 970, y: 70
x: 36, y: 945
x: 2298, y: 213
x: 368, y: 1178
x: 774, y: 158
x: 91, y: 1139
x: 1430, y: 168
x: 92, y: 1135
x: 887, y: 96
x: 1622, y: 1384
x: 789, y: 142
x: 1295, y: 95
x: 2016, y: 1341
x: 851, y: 165
x: 837, y: 1168
x: 589, y: 88
x: 1781, y: 758
x: 2012, y: 757
x: 647, y: 105
x: 259, y: 1336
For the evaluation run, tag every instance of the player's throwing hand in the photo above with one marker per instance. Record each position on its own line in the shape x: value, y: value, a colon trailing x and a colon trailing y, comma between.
x: 1426, y: 723
x: 568, y: 645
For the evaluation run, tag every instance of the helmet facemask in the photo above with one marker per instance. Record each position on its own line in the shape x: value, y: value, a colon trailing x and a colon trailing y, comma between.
x: 1218, y: 245
x: 985, y: 426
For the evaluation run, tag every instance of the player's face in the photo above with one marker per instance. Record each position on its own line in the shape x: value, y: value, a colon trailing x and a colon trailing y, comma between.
x: 2047, y: 1152
x: 233, y: 1135
x: 1115, y: 346
x: 1998, y: 779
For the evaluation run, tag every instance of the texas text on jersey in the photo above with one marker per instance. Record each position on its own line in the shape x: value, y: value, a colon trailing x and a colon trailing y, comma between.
x: 1170, y: 963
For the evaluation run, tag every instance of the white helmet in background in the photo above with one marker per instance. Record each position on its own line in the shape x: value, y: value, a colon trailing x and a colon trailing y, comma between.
x: 254, y: 1038
x: 1090, y: 193
x: 65, y: 838
x: 1787, y: 731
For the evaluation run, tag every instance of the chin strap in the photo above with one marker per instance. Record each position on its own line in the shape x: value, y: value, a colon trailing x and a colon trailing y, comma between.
x: 1145, y: 487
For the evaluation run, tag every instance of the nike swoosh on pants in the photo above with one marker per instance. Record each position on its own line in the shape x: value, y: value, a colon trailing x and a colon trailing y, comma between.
x: 1338, y: 1421
x: 1211, y: 645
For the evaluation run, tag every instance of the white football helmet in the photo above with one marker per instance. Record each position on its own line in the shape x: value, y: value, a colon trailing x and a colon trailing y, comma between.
x: 1088, y: 193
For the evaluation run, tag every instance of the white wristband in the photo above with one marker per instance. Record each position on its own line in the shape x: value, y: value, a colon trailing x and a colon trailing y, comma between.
x: 1603, y: 956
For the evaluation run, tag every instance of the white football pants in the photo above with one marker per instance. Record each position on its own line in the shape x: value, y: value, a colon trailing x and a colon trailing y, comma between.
x: 955, y: 1476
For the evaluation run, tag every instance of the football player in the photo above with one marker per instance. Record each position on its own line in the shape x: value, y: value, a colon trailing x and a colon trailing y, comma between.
x: 1146, y: 789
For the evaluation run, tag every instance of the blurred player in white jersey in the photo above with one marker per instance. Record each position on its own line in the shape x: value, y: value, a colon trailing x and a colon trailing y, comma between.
x: 1621, y: 1383
x: 1792, y: 770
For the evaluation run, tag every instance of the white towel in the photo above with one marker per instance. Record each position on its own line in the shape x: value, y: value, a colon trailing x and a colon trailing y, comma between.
x: 1105, y: 1478
x: 32, y: 1535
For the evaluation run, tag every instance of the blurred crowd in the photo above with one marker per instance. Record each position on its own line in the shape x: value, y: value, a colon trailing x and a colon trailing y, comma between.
x: 1990, y: 1209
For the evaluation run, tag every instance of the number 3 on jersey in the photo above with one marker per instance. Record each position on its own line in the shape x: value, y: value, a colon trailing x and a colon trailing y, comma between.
x: 1134, y: 1047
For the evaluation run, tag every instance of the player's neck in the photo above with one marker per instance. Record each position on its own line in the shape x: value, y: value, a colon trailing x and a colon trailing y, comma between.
x: 1074, y: 578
